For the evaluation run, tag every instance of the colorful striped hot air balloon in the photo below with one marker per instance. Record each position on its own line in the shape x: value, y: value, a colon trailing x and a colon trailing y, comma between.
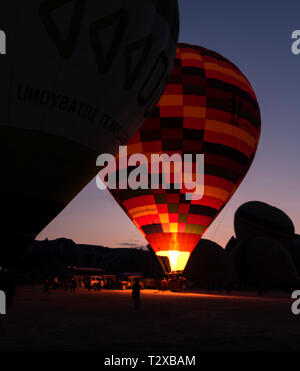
x: 210, y: 108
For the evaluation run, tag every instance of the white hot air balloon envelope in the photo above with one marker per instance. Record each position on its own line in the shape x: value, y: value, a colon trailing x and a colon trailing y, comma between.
x: 78, y: 78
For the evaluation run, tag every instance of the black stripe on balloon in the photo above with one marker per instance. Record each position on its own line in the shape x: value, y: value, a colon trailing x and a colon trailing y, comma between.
x: 194, y: 71
x: 150, y: 135
x: 127, y: 194
x: 171, y: 122
x: 193, y: 134
x: 234, y: 105
x: 219, y: 149
x: 173, y: 208
x: 240, y: 94
x: 175, y: 79
x: 199, y: 90
x: 219, y: 104
x: 202, y: 210
x: 160, y: 198
x: 221, y: 172
x: 172, y: 145
x: 171, y: 190
x: 250, y: 111
x: 222, y: 85
x: 183, y: 200
x: 155, y: 112
x: 152, y: 228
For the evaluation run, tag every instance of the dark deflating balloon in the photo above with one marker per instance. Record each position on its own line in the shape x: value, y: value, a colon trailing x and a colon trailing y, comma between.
x: 295, y: 252
x: 209, y: 108
x: 270, y: 264
x: 258, y: 218
x: 231, y: 245
x: 77, y: 80
x: 210, y: 266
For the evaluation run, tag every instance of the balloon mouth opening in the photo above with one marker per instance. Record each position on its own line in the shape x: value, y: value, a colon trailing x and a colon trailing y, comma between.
x: 177, y: 259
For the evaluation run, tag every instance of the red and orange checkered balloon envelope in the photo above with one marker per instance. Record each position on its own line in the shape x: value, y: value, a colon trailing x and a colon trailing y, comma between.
x: 210, y: 108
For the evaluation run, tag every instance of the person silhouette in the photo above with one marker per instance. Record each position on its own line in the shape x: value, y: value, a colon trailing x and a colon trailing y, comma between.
x: 136, y: 294
x: 164, y: 284
x: 73, y: 285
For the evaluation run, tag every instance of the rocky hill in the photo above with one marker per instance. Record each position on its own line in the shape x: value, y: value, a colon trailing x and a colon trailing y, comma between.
x: 51, y: 257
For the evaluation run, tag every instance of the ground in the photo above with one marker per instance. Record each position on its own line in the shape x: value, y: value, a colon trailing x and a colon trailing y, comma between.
x: 168, y: 321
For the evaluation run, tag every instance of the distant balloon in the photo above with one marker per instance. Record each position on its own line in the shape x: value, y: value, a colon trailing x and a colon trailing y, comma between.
x: 210, y: 265
x: 295, y: 252
x: 255, y: 218
x: 208, y: 107
x: 269, y: 264
x: 77, y: 80
x: 231, y: 245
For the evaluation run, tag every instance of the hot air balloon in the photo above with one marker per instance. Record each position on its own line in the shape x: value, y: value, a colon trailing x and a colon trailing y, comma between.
x: 78, y: 78
x: 268, y: 264
x: 295, y: 252
x: 255, y: 218
x: 210, y: 108
x: 210, y: 266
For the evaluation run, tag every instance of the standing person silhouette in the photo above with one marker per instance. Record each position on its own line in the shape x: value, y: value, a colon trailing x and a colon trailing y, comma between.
x: 136, y: 294
x: 73, y: 285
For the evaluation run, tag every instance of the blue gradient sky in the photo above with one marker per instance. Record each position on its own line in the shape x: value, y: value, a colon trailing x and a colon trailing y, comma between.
x: 256, y: 36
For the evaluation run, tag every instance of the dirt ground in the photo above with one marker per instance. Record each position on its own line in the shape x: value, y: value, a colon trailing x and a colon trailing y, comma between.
x: 168, y: 321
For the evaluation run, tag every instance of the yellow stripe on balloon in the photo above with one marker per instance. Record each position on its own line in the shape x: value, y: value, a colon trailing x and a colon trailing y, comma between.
x: 171, y: 100
x: 143, y: 210
x: 192, y: 56
x: 194, y: 112
x: 215, y: 192
x: 209, y: 66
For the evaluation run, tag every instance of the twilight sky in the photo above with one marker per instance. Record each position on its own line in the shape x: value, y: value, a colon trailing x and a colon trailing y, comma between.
x: 256, y: 36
